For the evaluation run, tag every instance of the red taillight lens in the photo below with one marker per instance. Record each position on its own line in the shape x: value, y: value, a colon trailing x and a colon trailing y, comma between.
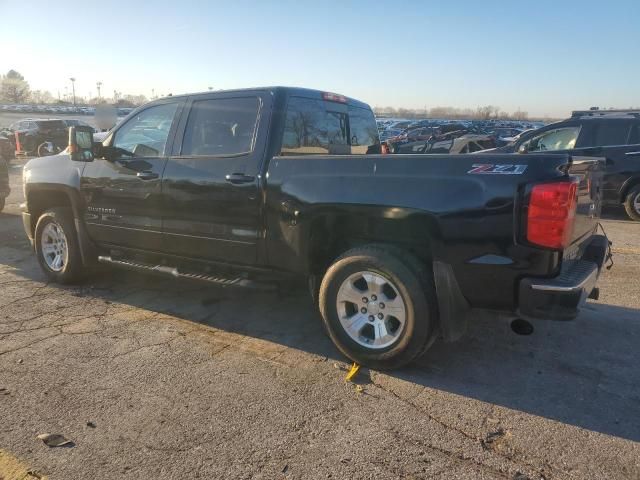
x: 334, y: 97
x: 552, y: 210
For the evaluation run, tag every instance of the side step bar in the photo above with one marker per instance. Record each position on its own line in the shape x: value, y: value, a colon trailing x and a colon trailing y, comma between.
x: 174, y: 272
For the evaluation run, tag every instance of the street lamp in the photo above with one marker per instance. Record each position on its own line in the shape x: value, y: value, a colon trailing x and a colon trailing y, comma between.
x: 73, y: 87
x: 98, y: 85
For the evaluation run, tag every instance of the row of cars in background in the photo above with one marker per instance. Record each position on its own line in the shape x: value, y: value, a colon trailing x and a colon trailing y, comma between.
x: 446, y: 136
x: 611, y: 134
x: 58, y: 109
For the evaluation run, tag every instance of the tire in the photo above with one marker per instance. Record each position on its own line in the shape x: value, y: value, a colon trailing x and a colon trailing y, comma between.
x: 395, y: 277
x: 632, y: 203
x: 59, y: 219
x: 42, y: 150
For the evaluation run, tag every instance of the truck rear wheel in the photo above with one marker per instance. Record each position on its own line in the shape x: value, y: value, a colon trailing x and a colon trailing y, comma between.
x: 632, y: 203
x: 56, y: 245
x: 378, y: 310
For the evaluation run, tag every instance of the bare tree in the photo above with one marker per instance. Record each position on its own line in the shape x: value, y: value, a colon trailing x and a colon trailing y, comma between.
x: 41, y: 96
x: 14, y: 88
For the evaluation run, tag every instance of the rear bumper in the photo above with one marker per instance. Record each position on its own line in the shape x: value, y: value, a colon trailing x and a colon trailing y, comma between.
x: 561, y: 297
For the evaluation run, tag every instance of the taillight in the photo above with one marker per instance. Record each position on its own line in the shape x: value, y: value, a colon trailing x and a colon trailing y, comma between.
x: 334, y: 97
x: 552, y: 211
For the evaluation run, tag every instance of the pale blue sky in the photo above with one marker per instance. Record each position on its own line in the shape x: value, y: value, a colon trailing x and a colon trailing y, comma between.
x: 546, y: 57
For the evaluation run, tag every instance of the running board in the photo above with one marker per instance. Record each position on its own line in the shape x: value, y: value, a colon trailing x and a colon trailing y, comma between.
x: 174, y: 272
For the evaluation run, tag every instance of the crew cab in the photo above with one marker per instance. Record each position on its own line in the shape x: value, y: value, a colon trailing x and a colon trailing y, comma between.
x: 279, y: 184
x: 612, y: 134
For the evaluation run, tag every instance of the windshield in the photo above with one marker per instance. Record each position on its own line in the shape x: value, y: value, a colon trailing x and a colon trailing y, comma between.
x: 51, y: 124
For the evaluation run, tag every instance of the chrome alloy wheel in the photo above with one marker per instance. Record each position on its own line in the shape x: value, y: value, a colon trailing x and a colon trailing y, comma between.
x: 371, y: 310
x: 55, y: 250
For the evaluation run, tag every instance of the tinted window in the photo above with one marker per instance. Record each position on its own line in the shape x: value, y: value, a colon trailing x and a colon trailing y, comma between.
x: 612, y: 133
x: 558, y: 139
x: 318, y: 127
x: 305, y: 130
x: 146, y: 134
x: 337, y: 133
x: 51, y: 124
x: 363, y: 131
x: 222, y: 126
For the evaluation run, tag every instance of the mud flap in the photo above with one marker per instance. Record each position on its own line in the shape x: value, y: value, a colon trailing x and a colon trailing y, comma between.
x: 452, y: 306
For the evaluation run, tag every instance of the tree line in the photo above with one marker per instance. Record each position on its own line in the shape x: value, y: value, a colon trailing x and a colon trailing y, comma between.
x: 488, y: 112
x: 14, y: 89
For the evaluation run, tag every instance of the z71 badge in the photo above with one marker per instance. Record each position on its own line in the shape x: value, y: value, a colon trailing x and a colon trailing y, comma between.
x: 491, y: 169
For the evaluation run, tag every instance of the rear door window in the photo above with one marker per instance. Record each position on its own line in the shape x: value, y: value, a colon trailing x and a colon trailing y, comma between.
x: 612, y: 132
x: 221, y: 127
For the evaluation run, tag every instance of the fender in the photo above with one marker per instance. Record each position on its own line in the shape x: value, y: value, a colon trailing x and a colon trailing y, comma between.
x: 57, y: 174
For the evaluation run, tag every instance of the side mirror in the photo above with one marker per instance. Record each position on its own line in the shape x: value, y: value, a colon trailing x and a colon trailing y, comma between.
x: 524, y: 148
x: 81, y: 143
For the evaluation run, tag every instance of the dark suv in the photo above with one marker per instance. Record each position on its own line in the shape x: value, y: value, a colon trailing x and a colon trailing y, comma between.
x: 614, y: 134
x: 31, y: 133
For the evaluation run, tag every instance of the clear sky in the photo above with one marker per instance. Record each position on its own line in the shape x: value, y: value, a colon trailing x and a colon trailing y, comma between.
x: 544, y: 56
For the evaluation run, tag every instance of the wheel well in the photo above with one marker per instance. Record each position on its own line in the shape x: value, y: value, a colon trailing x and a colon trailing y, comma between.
x: 42, y: 200
x: 331, y: 236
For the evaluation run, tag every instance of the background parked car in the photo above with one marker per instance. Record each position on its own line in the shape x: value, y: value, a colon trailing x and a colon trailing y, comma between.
x: 32, y: 133
x: 614, y: 134
x: 7, y: 145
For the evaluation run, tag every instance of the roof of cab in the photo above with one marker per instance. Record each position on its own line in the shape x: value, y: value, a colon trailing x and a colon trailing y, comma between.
x: 290, y: 91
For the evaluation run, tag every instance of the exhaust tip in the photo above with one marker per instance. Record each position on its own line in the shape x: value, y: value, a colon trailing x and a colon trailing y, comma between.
x: 521, y: 327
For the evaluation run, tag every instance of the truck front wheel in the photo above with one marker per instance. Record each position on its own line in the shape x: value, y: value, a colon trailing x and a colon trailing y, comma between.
x: 57, y: 246
x: 378, y: 306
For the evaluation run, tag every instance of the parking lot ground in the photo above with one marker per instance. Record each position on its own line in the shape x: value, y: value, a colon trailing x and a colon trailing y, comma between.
x: 154, y: 379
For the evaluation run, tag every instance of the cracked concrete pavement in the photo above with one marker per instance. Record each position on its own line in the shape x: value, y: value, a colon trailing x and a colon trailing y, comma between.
x: 155, y: 379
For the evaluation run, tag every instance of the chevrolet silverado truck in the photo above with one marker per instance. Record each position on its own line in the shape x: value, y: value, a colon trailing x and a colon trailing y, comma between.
x: 280, y: 184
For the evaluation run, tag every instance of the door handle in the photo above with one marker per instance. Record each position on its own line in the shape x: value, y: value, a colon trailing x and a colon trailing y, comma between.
x: 632, y: 154
x: 238, y: 178
x: 147, y: 175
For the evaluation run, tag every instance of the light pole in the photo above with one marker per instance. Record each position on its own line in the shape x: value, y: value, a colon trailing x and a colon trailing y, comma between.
x: 98, y: 85
x: 73, y: 87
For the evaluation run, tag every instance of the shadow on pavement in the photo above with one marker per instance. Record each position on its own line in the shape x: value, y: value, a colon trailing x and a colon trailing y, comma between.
x: 583, y: 373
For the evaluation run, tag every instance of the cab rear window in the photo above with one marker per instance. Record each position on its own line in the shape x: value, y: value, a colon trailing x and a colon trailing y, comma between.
x: 316, y: 127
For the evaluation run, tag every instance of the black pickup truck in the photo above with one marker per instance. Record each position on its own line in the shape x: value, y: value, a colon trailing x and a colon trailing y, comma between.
x: 276, y: 184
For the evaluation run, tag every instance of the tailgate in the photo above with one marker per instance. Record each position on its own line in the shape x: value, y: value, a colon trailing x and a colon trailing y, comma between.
x: 589, y: 172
